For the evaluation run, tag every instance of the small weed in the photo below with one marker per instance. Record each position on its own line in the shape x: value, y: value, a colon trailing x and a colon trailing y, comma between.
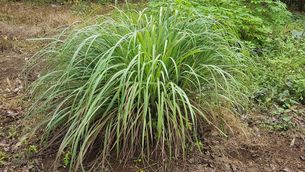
x: 3, y: 158
x: 32, y: 149
x: 67, y: 158
x: 12, y: 133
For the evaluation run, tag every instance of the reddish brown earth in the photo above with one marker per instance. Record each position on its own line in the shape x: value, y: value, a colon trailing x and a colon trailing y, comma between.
x: 260, y: 150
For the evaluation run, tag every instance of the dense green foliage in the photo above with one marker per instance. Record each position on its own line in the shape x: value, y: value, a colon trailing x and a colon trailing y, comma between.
x: 145, y: 83
x: 252, y: 20
x: 280, y: 67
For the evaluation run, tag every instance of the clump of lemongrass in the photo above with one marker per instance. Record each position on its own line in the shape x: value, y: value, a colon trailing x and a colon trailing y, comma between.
x: 135, y: 84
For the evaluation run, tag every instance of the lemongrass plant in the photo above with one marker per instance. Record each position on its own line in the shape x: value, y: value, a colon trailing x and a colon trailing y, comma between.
x: 136, y: 84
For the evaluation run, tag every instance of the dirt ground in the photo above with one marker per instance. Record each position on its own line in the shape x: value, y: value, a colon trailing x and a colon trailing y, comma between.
x: 261, y: 150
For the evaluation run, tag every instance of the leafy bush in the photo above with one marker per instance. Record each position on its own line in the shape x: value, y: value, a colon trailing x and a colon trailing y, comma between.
x: 252, y: 20
x: 137, y: 84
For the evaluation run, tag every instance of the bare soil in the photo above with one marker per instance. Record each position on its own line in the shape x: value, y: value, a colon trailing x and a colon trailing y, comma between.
x: 260, y: 150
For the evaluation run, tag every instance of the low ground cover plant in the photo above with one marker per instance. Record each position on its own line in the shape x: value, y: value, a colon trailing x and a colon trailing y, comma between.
x: 280, y: 67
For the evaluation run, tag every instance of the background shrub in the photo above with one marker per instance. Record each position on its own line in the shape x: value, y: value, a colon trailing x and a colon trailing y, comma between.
x: 253, y: 20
